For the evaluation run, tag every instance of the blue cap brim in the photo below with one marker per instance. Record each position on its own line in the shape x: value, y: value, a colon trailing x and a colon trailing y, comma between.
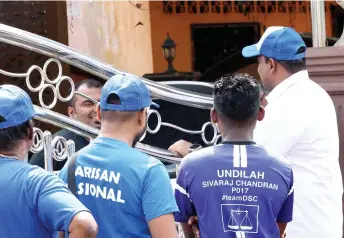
x: 250, y: 51
x: 155, y: 104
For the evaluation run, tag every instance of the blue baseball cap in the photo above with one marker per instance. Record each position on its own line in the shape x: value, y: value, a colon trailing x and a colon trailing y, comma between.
x: 15, y: 106
x: 132, y: 92
x: 277, y: 42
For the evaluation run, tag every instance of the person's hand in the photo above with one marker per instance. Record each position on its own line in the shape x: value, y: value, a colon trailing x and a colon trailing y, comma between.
x: 193, y: 222
x: 181, y: 147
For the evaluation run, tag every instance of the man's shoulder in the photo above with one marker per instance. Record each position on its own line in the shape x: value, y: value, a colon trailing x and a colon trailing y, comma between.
x: 256, y: 152
x: 208, y: 152
x: 306, y: 92
x: 264, y: 157
x: 280, y: 163
x: 196, y: 158
x: 37, y: 178
x: 148, y: 161
x: 135, y: 155
x: 199, y: 154
x: 18, y: 169
x: 27, y: 170
x: 132, y: 156
x: 35, y: 172
x: 279, y: 167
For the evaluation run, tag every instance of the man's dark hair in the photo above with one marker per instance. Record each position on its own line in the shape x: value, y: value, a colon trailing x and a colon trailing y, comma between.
x: 236, y: 97
x: 90, y: 83
x: 292, y: 66
x: 9, y: 137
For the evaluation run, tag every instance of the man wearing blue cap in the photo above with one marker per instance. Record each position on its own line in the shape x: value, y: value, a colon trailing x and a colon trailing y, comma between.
x: 33, y: 202
x: 128, y: 192
x: 300, y: 125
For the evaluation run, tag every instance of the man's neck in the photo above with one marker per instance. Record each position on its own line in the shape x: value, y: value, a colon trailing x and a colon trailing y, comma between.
x: 237, y: 135
x: 283, y: 76
x: 17, y: 154
x: 117, y: 135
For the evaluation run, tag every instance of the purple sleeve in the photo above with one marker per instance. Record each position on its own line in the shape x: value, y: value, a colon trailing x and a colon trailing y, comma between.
x: 182, y: 196
x: 286, y: 213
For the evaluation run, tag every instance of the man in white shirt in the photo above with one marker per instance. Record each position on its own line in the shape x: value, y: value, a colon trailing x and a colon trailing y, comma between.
x: 300, y: 125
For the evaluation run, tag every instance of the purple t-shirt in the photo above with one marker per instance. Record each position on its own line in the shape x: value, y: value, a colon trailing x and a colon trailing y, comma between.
x: 237, y: 190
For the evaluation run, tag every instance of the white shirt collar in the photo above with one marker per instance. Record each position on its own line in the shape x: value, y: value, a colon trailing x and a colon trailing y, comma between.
x: 285, y: 84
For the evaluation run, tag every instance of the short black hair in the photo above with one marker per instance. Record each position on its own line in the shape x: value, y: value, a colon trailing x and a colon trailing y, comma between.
x: 10, y: 137
x: 292, y: 66
x: 236, y: 97
x: 90, y: 83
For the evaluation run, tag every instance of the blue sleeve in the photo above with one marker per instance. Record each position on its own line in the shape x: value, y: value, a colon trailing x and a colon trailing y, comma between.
x: 157, y: 193
x: 54, y: 203
x: 182, y: 196
x: 285, y: 215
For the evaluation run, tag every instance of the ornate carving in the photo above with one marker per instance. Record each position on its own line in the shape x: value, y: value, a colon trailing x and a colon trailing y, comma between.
x: 243, y: 7
x: 192, y: 6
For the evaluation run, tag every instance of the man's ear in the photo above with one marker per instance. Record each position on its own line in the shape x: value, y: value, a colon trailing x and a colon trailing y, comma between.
x: 30, y: 130
x: 98, y: 112
x: 213, y: 116
x: 141, y: 117
x: 261, y: 113
x: 273, y: 65
x: 70, y: 111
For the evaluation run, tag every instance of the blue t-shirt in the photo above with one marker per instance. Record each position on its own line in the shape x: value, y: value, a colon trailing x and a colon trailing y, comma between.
x: 33, y: 202
x: 237, y: 190
x: 123, y: 188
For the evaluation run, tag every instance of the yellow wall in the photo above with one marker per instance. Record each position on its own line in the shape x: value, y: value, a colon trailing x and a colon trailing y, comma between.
x: 178, y: 25
x: 106, y: 30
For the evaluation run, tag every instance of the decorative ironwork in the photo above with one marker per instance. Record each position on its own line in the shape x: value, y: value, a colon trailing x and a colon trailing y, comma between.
x: 59, y: 145
x: 38, y: 17
x: 48, y: 158
x: 65, y: 54
x: 160, y: 123
x: 45, y: 82
x: 59, y: 148
x: 37, y: 140
x: 231, y: 6
x: 96, y: 67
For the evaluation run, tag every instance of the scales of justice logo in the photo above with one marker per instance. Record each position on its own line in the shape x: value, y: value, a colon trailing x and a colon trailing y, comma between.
x: 240, y: 218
